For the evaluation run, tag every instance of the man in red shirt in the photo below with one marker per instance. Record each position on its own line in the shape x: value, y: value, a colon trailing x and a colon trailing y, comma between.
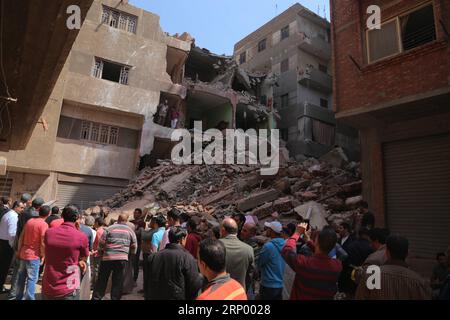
x: 66, y: 251
x: 193, y: 239
x: 315, y: 277
x: 31, y: 254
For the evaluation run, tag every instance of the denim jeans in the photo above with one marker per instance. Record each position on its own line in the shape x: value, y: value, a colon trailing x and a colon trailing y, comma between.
x: 29, y: 274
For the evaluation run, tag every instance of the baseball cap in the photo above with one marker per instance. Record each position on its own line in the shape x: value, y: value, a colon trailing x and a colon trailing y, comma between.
x: 275, y: 226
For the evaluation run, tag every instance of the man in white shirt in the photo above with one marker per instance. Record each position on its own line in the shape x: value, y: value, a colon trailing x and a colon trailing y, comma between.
x: 8, y: 228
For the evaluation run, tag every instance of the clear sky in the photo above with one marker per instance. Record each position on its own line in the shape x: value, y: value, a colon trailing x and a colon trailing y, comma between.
x: 218, y: 24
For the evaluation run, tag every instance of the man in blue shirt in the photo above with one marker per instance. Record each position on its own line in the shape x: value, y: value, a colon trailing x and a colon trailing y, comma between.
x: 158, y: 235
x: 271, y: 263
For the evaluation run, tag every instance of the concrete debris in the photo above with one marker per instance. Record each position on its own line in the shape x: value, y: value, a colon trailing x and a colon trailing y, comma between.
x: 213, y: 191
x: 314, y: 212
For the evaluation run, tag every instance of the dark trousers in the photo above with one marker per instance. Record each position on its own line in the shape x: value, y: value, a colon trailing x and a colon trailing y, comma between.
x: 6, y: 255
x: 136, y: 263
x: 145, y: 272
x: 271, y: 293
x: 117, y: 268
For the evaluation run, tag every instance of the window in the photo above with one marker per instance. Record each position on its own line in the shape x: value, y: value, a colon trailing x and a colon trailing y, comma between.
x: 284, y: 65
x: 401, y: 34
x: 418, y: 28
x: 323, y: 68
x: 285, y: 100
x: 262, y: 45
x: 110, y: 71
x: 119, y: 20
x: 243, y: 57
x: 100, y: 133
x: 285, y: 33
x: 324, y: 103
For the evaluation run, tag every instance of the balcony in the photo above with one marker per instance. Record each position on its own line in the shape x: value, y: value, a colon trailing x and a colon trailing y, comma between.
x: 316, y: 80
x: 316, y: 112
x: 315, y: 46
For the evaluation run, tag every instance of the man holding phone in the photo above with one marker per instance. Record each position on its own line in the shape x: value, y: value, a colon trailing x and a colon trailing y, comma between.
x: 316, y: 276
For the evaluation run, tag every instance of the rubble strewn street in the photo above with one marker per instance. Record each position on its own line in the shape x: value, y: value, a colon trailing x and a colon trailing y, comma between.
x: 331, y: 186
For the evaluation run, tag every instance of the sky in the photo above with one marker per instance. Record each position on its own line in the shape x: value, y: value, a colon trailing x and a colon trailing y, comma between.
x: 218, y: 24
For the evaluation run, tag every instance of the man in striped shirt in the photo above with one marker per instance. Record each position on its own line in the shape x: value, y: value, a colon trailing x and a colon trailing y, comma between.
x: 316, y: 276
x: 211, y: 262
x: 117, y: 242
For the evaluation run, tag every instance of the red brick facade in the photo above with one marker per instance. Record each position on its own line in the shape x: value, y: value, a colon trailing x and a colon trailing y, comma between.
x: 423, y: 69
x: 388, y: 100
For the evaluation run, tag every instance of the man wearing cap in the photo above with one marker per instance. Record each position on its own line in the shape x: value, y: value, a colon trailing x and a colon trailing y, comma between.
x: 271, y: 263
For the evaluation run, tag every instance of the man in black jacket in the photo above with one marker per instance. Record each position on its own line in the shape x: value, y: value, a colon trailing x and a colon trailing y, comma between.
x: 173, y: 273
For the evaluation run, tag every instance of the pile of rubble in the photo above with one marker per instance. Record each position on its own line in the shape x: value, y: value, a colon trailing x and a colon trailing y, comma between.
x: 328, y: 191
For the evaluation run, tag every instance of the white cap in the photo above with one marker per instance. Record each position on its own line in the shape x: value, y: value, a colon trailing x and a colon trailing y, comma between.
x: 275, y: 226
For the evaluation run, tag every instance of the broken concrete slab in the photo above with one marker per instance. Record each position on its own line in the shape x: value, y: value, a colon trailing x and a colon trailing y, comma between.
x: 353, y: 202
x: 336, y: 157
x: 317, y: 214
x: 175, y: 181
x: 257, y: 199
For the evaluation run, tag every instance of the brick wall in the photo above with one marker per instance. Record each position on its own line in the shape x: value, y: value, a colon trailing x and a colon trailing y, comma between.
x: 420, y: 70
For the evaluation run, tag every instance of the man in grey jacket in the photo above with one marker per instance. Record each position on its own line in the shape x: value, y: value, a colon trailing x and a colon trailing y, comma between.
x: 239, y: 255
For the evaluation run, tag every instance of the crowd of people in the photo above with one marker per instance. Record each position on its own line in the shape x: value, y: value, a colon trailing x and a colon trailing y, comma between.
x: 79, y: 258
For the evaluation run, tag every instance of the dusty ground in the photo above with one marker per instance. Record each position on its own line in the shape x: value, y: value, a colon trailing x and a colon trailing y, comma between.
x: 134, y: 295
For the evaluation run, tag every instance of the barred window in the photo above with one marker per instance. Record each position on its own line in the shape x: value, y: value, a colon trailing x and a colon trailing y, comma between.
x: 119, y: 20
x: 111, y: 71
x: 99, y: 133
x: 113, y: 135
x: 85, y: 130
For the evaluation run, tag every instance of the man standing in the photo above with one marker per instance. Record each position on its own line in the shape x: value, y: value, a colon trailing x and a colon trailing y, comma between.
x: 87, y: 229
x: 358, y: 251
x: 66, y: 251
x: 211, y: 262
x: 139, y: 226
x: 271, y: 264
x: 163, y: 109
x: 440, y: 273
x: 240, y: 220
x: 158, y: 235
x: 173, y: 220
x: 193, y: 238
x: 31, y: 252
x: 26, y: 199
x: 316, y: 276
x: 397, y: 281
x: 99, y: 227
x: 378, y: 238
x: 239, y: 256
x: 174, y: 116
x: 8, y: 227
x: 177, y: 276
x: 345, y: 236
x: 117, y: 242
x: 54, y: 216
x: 29, y: 213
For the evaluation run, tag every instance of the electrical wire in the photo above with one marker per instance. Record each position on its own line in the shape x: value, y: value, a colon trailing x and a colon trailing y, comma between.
x: 1, y: 51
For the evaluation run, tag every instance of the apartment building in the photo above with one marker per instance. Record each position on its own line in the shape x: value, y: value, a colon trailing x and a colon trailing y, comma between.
x: 393, y: 84
x: 295, y: 48
x: 98, y: 121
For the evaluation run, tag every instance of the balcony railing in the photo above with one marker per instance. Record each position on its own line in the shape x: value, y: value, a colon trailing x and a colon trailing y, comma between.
x: 316, y: 80
x: 315, y: 46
